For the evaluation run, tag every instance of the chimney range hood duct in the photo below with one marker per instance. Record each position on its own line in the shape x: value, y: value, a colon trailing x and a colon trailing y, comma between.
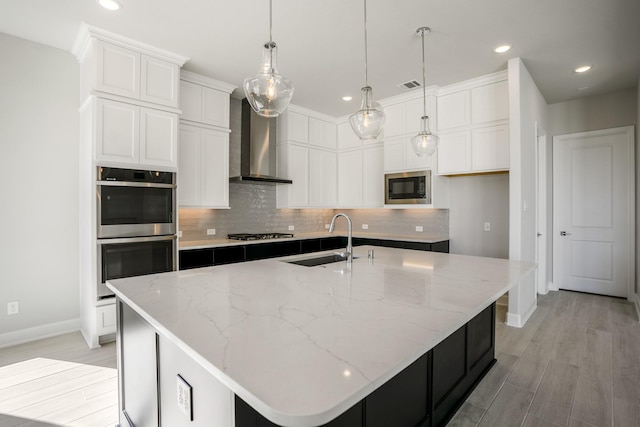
x: 257, y: 149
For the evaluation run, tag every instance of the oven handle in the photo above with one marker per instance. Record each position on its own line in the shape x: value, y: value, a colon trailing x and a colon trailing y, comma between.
x: 136, y: 239
x: 134, y: 184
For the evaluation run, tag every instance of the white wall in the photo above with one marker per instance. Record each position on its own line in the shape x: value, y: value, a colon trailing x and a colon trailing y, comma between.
x: 527, y: 109
x: 638, y: 198
x: 474, y: 200
x: 38, y: 189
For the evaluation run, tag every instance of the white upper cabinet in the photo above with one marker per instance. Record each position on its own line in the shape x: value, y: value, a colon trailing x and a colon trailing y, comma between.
x: 204, y: 100
x: 404, y: 118
x: 293, y: 127
x: 322, y: 133
x: 361, y: 177
x: 126, y: 70
x: 454, y: 110
x: 473, y: 126
x: 347, y: 138
x: 203, y: 178
x: 323, y: 178
x: 129, y: 135
x: 490, y: 102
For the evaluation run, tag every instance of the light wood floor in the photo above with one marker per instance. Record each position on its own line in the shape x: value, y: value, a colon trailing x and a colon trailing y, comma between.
x: 58, y: 381
x: 576, y: 363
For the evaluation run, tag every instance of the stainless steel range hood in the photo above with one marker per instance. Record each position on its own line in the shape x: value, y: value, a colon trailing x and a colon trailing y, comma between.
x: 257, y: 149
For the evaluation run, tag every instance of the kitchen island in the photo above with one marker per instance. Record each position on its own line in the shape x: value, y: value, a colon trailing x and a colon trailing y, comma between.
x: 274, y: 342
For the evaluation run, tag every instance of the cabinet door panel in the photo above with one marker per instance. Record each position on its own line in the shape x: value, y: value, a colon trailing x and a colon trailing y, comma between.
x: 394, y: 123
x: 215, y: 107
x: 158, y: 138
x: 118, y: 70
x: 350, y: 179
x: 297, y: 127
x: 401, y: 401
x: 299, y: 174
x: 322, y: 178
x: 347, y: 138
x: 490, y: 148
x: 394, y: 155
x: 449, y: 365
x: 414, y: 111
x: 215, y: 169
x: 117, y: 131
x: 453, y: 110
x: 480, y: 336
x: 415, y: 162
x: 191, y: 101
x: 490, y: 102
x: 373, y: 177
x: 159, y: 81
x: 189, y: 167
x: 453, y: 153
x: 321, y: 133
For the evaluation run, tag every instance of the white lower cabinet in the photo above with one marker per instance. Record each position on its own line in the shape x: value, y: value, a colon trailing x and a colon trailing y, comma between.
x: 361, y: 178
x: 203, y: 180
x: 131, y: 135
x: 474, y: 151
x: 106, y: 319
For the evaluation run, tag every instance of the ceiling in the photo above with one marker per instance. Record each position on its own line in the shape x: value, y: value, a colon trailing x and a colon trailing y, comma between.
x: 321, y: 42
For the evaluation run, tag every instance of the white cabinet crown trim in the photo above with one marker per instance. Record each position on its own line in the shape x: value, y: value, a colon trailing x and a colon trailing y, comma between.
x: 206, y: 81
x: 473, y: 83
x: 87, y: 33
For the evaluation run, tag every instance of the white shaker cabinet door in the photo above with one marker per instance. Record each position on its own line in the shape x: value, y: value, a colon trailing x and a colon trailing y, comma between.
x: 189, y: 167
x: 158, y: 138
x: 454, y: 110
x: 322, y: 133
x: 190, y: 101
x: 299, y: 174
x: 350, y: 179
x: 159, y: 81
x: 215, y: 107
x: 490, y: 102
x: 117, y: 132
x: 117, y: 70
x: 373, y: 177
x: 453, y: 153
x: 490, y: 149
x: 323, y: 176
x: 214, y: 168
x: 347, y: 138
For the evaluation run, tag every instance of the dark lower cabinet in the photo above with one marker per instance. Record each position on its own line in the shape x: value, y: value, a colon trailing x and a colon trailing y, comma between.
x: 272, y: 250
x: 228, y: 255
x: 425, y: 394
x: 246, y: 416
x: 309, y: 245
x: 195, y: 258
x: 337, y: 242
x: 401, y: 401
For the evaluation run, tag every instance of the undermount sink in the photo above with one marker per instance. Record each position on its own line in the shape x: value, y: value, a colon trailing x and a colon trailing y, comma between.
x: 324, y: 259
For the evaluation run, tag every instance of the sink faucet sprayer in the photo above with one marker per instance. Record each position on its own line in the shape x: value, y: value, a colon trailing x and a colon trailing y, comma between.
x: 349, y: 240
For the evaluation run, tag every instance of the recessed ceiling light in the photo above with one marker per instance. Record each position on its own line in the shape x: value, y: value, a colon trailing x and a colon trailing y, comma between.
x: 580, y: 89
x: 110, y: 4
x: 502, y: 48
x: 583, y: 69
x: 347, y: 98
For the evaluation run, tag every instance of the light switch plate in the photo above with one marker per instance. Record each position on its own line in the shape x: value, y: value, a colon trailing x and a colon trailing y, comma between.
x: 291, y: 228
x: 185, y: 398
x: 211, y: 231
x: 487, y: 226
x: 365, y: 226
x: 419, y: 228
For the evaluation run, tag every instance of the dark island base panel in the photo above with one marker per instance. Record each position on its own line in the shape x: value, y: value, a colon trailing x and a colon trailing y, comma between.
x: 207, y: 257
x: 427, y: 393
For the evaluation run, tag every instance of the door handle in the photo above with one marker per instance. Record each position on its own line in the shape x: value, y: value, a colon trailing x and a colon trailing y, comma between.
x: 538, y: 234
x: 564, y: 233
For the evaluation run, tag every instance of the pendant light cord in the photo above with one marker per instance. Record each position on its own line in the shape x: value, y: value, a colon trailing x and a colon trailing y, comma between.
x: 270, y: 20
x: 366, y: 80
x: 424, y: 80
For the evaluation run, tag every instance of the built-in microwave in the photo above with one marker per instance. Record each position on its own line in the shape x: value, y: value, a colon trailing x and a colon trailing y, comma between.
x: 408, y: 188
x: 135, y: 203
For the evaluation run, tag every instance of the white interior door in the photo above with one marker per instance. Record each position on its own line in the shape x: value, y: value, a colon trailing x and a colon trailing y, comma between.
x: 594, y: 211
x: 541, y: 213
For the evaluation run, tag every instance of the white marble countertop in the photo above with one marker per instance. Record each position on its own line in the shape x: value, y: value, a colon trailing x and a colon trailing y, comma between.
x: 303, y: 344
x: 214, y: 243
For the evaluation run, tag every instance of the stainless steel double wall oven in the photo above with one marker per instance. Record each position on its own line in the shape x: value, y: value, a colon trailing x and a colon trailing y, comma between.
x: 136, y: 224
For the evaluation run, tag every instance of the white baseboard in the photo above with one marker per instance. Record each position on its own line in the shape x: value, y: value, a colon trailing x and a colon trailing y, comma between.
x: 553, y: 287
x: 39, y: 332
x: 517, y: 320
x: 637, y: 304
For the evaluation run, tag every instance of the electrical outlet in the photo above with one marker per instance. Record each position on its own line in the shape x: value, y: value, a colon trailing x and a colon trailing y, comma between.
x: 179, y: 234
x: 326, y: 226
x: 365, y: 226
x: 185, y: 398
x: 211, y: 231
x: 13, y: 308
x: 487, y: 226
x: 291, y: 228
x: 419, y: 228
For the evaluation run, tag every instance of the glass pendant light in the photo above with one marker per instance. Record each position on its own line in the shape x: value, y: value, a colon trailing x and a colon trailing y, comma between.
x: 424, y: 143
x: 268, y: 92
x: 368, y: 120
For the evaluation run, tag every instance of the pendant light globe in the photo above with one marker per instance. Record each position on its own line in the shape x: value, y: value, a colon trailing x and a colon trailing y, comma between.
x: 368, y: 121
x: 268, y: 92
x: 425, y: 143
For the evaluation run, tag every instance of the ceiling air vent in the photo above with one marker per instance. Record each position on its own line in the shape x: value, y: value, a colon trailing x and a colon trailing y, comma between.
x: 411, y: 84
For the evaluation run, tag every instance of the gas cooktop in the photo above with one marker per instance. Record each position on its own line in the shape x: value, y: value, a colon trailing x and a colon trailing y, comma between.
x: 258, y: 236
